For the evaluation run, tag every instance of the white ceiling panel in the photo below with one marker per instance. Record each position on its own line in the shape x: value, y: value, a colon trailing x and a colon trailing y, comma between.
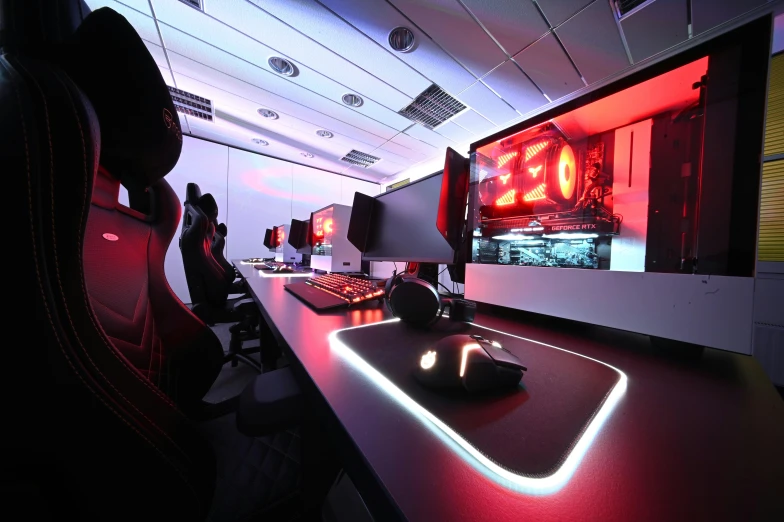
x: 546, y: 63
x: 433, y: 138
x: 291, y: 113
x: 557, y: 11
x: 186, y: 45
x: 412, y: 156
x: 514, y: 24
x: 706, y: 14
x: 514, y: 87
x: 487, y: 103
x: 454, y: 132
x: 329, y: 30
x: 376, y: 18
x: 656, y: 27
x: 141, y: 21
x: 140, y: 5
x: 409, y: 142
x: 175, y: 14
x: 473, y: 121
x: 452, y: 27
x: 592, y: 40
x: 281, y: 39
x: 157, y: 54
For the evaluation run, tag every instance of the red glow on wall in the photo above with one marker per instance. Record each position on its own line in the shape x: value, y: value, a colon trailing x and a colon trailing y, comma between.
x: 535, y: 149
x: 504, y: 159
x: 506, y: 199
x: 505, y: 178
x: 537, y: 193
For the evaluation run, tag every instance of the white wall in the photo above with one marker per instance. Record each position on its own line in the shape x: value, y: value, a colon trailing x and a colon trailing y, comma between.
x: 253, y: 193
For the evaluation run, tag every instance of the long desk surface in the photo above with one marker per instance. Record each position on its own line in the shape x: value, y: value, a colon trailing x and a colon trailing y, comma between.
x: 689, y: 440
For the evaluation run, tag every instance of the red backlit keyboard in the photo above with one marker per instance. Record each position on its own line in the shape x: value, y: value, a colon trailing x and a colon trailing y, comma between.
x: 351, y: 289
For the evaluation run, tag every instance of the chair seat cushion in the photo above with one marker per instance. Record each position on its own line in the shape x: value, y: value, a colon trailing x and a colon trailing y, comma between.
x: 272, y: 402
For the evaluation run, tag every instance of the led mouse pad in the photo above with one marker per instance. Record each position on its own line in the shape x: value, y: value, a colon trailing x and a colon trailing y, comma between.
x: 531, y: 437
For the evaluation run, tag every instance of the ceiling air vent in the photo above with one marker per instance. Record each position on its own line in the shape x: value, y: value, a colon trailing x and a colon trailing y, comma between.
x: 360, y: 159
x: 433, y: 107
x: 624, y: 7
x: 192, y: 105
x: 196, y: 4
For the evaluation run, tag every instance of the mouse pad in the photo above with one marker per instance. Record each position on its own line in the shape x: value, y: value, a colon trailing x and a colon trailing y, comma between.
x: 530, y: 430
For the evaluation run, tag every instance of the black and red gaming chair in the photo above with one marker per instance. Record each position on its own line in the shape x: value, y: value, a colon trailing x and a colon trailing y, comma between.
x: 99, y: 431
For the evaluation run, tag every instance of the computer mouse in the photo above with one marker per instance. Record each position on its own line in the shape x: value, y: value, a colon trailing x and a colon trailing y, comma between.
x: 468, y: 361
x: 283, y: 268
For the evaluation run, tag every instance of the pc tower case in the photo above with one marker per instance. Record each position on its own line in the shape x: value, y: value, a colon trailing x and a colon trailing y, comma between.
x: 284, y: 252
x: 332, y: 251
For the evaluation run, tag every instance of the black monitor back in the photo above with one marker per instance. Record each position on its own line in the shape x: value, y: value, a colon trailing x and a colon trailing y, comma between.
x: 299, y: 233
x: 268, y: 239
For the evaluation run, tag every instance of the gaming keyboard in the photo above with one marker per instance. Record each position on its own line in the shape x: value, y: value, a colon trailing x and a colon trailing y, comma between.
x: 335, y: 290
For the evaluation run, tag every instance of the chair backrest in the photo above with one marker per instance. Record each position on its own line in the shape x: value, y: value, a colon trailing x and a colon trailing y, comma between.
x: 94, y: 436
x: 205, y: 277
x: 217, y: 248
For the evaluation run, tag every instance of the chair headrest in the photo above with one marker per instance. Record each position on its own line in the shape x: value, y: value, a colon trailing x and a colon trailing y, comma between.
x: 192, y: 193
x: 208, y: 205
x: 141, y: 138
x: 222, y: 229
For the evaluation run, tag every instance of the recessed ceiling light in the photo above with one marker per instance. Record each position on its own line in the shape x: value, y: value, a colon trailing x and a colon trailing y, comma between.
x: 282, y: 66
x: 401, y: 39
x: 354, y: 100
x: 259, y: 141
x: 306, y: 154
x: 267, y: 113
x: 324, y: 133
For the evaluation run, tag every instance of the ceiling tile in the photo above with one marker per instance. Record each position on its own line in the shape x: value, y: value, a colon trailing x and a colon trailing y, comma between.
x: 592, y: 40
x: 513, y: 23
x: 449, y: 24
x: 404, y: 152
x: 157, y: 54
x: 707, y: 14
x: 454, y: 132
x: 376, y: 18
x: 140, y: 5
x: 515, y: 88
x: 433, y: 138
x: 185, y: 45
x: 141, y: 21
x: 485, y: 102
x: 414, y: 144
x: 547, y: 65
x: 654, y: 28
x: 473, y: 121
x: 284, y: 40
x: 323, y: 26
x: 557, y: 11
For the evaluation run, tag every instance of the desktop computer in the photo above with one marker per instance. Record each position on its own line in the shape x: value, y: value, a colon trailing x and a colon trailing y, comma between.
x: 284, y: 252
x: 331, y: 250
x: 268, y: 240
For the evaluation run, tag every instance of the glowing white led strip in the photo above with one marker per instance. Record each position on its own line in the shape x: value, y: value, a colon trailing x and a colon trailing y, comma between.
x: 535, y: 486
x: 285, y: 274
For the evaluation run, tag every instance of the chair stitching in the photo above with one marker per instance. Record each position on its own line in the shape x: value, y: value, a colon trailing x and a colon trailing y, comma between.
x: 46, y: 304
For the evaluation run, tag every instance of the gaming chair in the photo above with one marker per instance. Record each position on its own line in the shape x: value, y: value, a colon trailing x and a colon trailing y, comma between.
x: 98, y: 431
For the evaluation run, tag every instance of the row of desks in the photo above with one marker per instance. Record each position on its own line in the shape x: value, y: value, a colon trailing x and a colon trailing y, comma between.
x: 690, y: 439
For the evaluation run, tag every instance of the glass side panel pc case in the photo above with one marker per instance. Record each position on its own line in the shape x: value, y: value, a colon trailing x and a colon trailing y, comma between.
x: 650, y: 174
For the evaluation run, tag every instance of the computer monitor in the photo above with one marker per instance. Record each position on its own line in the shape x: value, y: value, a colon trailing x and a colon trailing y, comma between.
x: 299, y: 232
x: 268, y: 240
x: 403, y: 225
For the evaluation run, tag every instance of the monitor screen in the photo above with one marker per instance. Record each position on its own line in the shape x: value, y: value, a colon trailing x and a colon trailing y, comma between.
x: 322, y: 228
x: 404, y: 225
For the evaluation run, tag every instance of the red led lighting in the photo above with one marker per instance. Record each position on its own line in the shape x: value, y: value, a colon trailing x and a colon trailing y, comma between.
x: 505, y: 178
x: 567, y: 172
x: 504, y: 159
x: 535, y: 149
x: 506, y: 199
x: 328, y: 226
x: 534, y: 171
x: 537, y: 193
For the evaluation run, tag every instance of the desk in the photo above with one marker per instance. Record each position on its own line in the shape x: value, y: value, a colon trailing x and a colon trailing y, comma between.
x: 699, y: 440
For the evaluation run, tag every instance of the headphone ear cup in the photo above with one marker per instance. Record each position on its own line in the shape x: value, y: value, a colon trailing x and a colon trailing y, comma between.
x: 415, y: 301
x: 388, y: 287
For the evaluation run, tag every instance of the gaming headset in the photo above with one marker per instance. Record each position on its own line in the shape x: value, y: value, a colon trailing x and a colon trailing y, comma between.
x: 415, y: 300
